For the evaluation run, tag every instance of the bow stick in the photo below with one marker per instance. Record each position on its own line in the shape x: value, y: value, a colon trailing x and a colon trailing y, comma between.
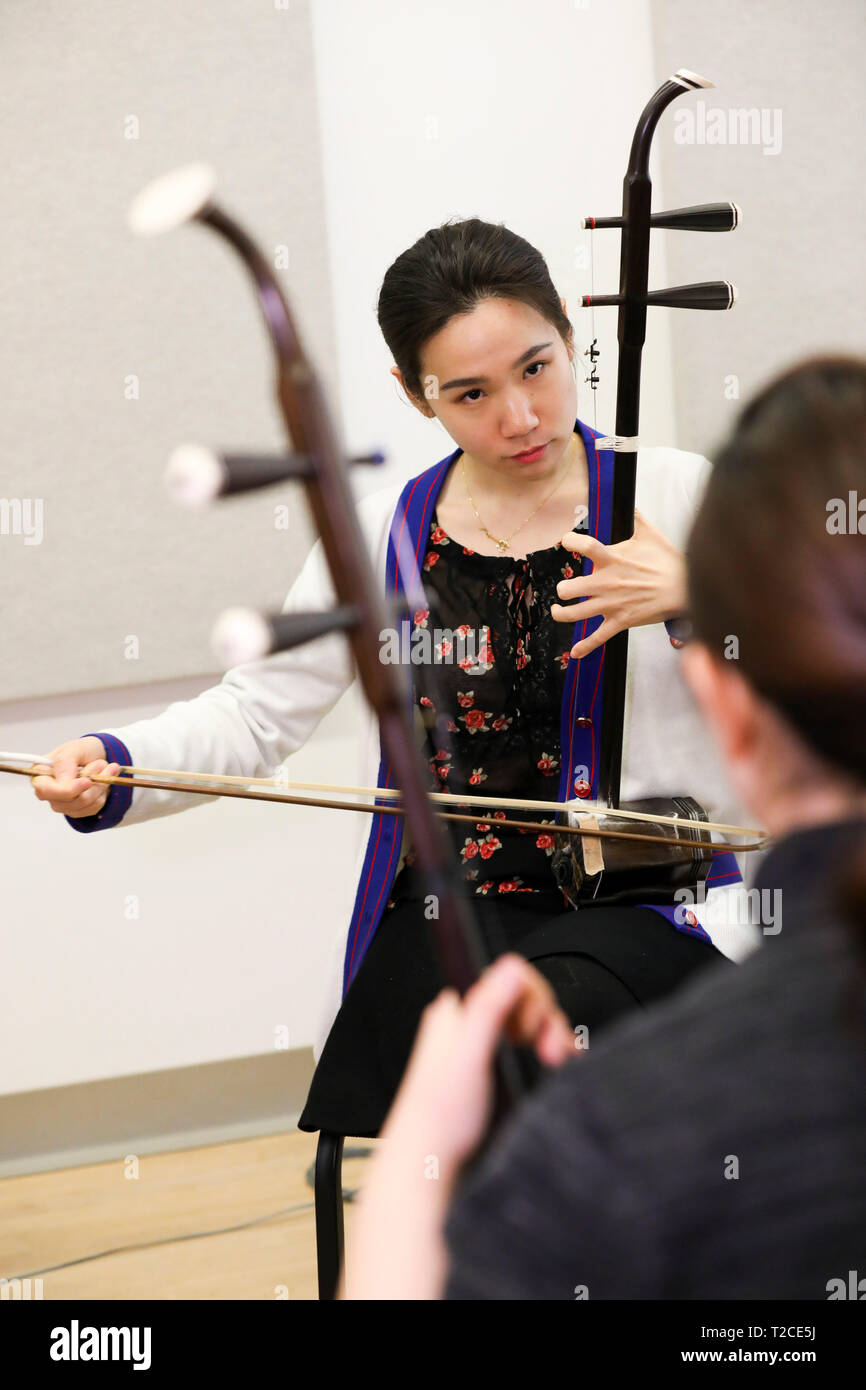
x: 204, y: 789
x: 37, y: 765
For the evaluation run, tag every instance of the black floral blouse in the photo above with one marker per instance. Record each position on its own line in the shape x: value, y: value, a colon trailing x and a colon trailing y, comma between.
x: 496, y: 726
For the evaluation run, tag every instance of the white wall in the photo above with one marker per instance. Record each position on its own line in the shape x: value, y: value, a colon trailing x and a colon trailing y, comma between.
x: 797, y: 258
x: 496, y: 110
x: 116, y: 348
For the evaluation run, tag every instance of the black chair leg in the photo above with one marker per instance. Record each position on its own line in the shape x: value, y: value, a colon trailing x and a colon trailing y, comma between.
x: 329, y: 1211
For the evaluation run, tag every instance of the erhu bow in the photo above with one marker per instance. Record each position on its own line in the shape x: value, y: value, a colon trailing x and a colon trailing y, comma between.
x: 625, y: 872
x: 224, y: 784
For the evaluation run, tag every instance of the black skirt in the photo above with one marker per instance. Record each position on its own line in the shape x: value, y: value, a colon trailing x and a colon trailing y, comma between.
x: 600, y: 961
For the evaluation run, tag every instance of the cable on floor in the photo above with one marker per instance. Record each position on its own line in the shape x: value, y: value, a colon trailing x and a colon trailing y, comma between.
x: 348, y: 1196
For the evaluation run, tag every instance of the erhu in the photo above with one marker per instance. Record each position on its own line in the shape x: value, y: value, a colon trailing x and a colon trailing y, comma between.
x: 618, y: 871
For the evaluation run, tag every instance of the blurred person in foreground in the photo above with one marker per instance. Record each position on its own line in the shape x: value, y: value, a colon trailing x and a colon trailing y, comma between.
x: 714, y: 1146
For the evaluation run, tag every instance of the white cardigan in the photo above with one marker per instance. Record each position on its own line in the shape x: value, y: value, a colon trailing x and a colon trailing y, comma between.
x: 263, y: 711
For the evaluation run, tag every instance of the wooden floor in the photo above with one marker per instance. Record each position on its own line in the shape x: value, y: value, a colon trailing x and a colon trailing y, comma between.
x: 47, y: 1219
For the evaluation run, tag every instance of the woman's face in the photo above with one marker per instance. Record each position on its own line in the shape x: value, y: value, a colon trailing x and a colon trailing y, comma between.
x: 528, y: 396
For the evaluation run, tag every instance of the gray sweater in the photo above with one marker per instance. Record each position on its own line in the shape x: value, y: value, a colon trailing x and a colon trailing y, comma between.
x: 712, y: 1147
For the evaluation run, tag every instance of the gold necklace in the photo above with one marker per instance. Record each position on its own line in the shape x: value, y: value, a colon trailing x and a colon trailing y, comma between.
x: 502, y: 544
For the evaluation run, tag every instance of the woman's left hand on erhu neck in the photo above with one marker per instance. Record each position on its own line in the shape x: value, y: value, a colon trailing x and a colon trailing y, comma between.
x: 638, y: 581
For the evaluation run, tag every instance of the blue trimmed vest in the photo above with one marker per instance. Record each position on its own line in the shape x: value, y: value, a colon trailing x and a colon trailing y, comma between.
x: 580, y: 727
